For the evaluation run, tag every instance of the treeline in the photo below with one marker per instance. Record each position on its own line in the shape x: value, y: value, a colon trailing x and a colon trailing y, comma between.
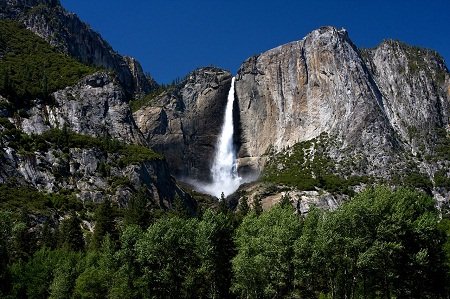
x: 381, y: 244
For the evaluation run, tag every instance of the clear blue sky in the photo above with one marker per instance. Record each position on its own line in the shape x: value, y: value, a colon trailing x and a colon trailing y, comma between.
x: 172, y: 37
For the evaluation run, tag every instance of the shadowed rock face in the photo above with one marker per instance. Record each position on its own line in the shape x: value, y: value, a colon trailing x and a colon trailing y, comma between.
x: 321, y: 84
x: 184, y: 124
x: 66, y: 32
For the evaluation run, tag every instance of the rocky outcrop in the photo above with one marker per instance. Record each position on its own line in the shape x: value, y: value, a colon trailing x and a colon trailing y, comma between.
x: 82, y: 173
x: 412, y: 83
x: 14, y: 8
x: 66, y: 32
x: 184, y: 123
x: 302, y: 201
x: 317, y: 85
x: 96, y: 106
x: 142, y: 83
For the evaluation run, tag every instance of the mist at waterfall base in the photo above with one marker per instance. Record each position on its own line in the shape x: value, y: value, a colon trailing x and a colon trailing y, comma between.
x: 224, y: 171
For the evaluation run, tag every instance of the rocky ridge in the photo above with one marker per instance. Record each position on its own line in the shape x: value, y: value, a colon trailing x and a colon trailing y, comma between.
x: 80, y: 172
x: 66, y: 32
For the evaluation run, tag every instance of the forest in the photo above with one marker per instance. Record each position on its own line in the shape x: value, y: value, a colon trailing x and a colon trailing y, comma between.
x: 383, y: 243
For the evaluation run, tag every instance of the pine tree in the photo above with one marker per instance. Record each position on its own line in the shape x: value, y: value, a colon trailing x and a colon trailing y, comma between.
x: 70, y: 234
x: 223, y: 205
x: 257, y: 205
x: 137, y: 211
x: 243, y: 208
x: 285, y: 201
x: 48, y: 236
x: 180, y: 208
x: 104, y: 224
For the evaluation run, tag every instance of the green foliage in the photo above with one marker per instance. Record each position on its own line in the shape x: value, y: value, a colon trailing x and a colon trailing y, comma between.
x: 441, y: 179
x: 263, y: 266
x: 6, y: 225
x: 166, y: 258
x: 444, y: 227
x: 443, y: 146
x: 243, y: 208
x: 380, y: 244
x: 70, y: 234
x: 16, y: 198
x: 126, y: 282
x: 34, y: 277
x: 5, y: 123
x: 119, y: 181
x: 137, y: 212
x: 135, y: 154
x: 418, y: 180
x: 180, y: 208
x: 64, y: 275
x: 94, y: 281
x: 307, y: 262
x: 285, y: 201
x: 257, y: 205
x: 215, y: 249
x: 306, y: 166
x: 104, y: 224
x: 30, y: 67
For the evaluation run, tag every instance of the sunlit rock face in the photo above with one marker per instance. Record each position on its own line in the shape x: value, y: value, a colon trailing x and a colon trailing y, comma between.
x: 325, y: 84
x: 95, y: 106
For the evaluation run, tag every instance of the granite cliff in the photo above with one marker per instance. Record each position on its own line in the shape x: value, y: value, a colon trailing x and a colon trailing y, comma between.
x: 384, y: 111
x: 84, y: 142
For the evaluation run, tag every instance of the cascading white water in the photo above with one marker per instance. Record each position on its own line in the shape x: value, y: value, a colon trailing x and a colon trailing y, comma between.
x: 223, y: 170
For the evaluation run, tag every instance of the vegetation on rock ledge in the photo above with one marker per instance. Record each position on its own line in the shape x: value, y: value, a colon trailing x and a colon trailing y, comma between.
x: 306, y: 166
x: 30, y: 67
x: 65, y: 139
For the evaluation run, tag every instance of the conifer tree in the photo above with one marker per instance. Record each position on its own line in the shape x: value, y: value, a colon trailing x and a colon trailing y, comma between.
x: 257, y: 205
x: 104, y: 224
x: 70, y: 234
x: 137, y: 211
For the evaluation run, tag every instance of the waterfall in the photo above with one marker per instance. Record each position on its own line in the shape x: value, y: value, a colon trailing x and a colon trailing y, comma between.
x: 223, y: 170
